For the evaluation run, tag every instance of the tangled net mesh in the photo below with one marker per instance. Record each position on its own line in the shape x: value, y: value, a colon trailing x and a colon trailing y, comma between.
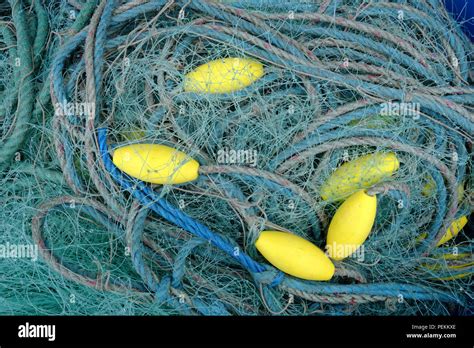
x: 330, y: 66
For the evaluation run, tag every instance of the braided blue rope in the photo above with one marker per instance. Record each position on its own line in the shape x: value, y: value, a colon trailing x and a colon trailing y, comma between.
x: 408, y: 291
x: 453, y: 117
x: 262, y: 273
x: 401, y: 58
x: 440, y: 212
x: 428, y: 22
x: 136, y: 11
x: 447, y: 114
x: 247, y: 26
x: 100, y: 38
x: 137, y: 251
x: 276, y: 5
x: 148, y: 198
x: 180, y: 260
x: 162, y: 289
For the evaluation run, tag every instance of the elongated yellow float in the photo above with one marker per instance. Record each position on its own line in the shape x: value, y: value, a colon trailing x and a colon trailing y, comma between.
x: 450, y: 257
x: 459, y: 275
x: 351, y: 225
x: 465, y: 265
x: 156, y: 164
x: 294, y: 255
x: 360, y: 173
x: 452, y: 231
x: 223, y: 75
x: 461, y: 267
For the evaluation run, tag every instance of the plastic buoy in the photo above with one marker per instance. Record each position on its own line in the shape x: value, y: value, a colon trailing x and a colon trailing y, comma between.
x: 223, y: 75
x: 453, y: 230
x: 294, y: 255
x: 360, y: 173
x: 157, y: 164
x: 351, y: 225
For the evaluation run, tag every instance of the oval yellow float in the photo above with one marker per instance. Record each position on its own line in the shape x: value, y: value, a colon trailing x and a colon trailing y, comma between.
x: 360, y: 173
x: 351, y: 225
x: 452, y: 231
x: 295, y: 255
x: 223, y: 75
x: 157, y: 164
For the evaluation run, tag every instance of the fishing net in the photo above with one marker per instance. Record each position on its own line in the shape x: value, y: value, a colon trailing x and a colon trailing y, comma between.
x: 342, y: 79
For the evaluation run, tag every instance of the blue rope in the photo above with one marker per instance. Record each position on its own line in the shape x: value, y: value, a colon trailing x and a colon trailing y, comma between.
x: 408, y: 291
x: 148, y: 198
x: 180, y: 260
x: 263, y: 274
x: 162, y: 289
x: 100, y: 39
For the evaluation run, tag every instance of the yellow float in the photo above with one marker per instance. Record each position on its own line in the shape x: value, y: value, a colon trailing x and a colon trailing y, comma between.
x: 452, y: 231
x: 360, y: 173
x: 351, y: 225
x: 294, y: 255
x: 156, y: 164
x: 465, y: 265
x: 223, y: 75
